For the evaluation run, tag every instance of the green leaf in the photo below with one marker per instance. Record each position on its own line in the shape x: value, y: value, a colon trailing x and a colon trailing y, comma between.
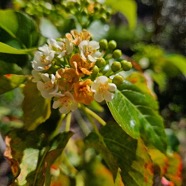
x: 10, y: 81
x: 4, y: 48
x: 139, y: 80
x: 97, y: 174
x: 7, y: 68
x: 96, y: 142
x: 178, y: 61
x: 50, y: 158
x: 136, y: 112
x: 128, y: 8
x: 21, y: 139
x: 36, y: 108
x: 20, y: 27
x: 129, y: 155
x: 28, y: 164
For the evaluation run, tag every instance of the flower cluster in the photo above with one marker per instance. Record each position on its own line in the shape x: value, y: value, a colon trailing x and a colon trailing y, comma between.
x: 71, y: 70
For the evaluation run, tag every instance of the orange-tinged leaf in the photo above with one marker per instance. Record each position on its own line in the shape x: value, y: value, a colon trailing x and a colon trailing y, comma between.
x: 174, y: 169
x: 144, y: 83
x: 159, y: 159
x: 10, y: 81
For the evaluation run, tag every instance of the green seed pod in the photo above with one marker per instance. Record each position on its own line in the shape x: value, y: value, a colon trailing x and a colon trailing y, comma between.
x: 116, y: 66
x: 117, y: 80
x: 100, y: 62
x: 126, y: 65
x: 117, y: 54
x: 103, y: 44
x: 112, y: 45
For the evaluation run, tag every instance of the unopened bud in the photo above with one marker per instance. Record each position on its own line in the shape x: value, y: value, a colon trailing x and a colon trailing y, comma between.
x: 103, y: 44
x: 117, y: 80
x: 116, y: 66
x: 95, y: 72
x: 112, y: 45
x: 117, y: 54
x: 126, y: 65
x: 100, y: 62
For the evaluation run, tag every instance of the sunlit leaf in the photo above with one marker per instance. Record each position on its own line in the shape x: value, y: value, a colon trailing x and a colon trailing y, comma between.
x: 139, y: 80
x: 4, y: 48
x: 10, y: 81
x: 36, y: 108
x: 178, y: 61
x: 128, y: 8
x: 28, y: 164
x: 136, y: 112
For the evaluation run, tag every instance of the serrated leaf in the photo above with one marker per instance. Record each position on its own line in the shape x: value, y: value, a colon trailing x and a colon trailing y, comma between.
x: 130, y: 155
x: 36, y: 109
x: 128, y: 8
x: 10, y: 81
x: 20, y: 27
x: 136, y: 113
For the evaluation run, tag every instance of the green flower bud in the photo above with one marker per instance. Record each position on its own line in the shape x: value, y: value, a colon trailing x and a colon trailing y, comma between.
x: 126, y: 65
x: 100, y: 62
x: 95, y: 72
x: 117, y: 80
x: 117, y: 54
x: 103, y: 44
x: 112, y: 45
x: 116, y: 66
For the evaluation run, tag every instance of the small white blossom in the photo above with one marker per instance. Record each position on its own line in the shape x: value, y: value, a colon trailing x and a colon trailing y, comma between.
x: 89, y: 50
x: 103, y: 90
x: 62, y: 47
x: 43, y: 58
x: 47, y: 85
x: 65, y: 102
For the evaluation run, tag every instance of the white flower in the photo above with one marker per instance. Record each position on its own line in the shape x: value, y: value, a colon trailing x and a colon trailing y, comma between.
x: 103, y: 90
x: 43, y: 58
x: 65, y: 102
x: 62, y: 47
x: 47, y: 85
x: 89, y: 50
